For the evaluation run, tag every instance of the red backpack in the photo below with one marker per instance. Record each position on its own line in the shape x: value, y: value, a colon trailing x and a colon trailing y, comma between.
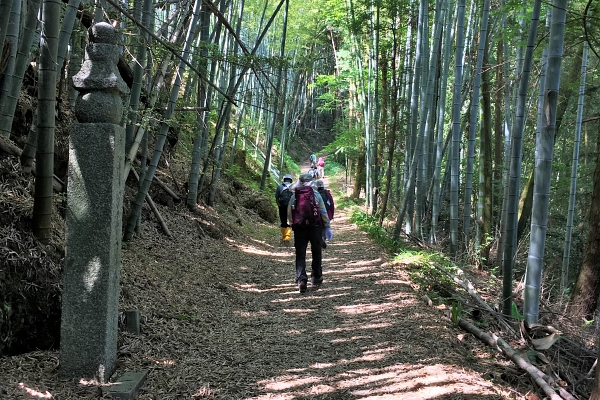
x: 306, y: 211
x: 328, y: 200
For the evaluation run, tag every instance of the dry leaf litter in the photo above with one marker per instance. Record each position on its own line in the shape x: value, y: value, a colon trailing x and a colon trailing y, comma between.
x: 223, y: 319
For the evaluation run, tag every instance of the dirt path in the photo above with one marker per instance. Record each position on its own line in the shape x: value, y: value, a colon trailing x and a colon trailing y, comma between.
x: 222, y: 319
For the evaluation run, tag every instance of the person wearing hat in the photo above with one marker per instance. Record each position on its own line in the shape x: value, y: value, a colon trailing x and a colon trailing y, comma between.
x: 329, y: 205
x: 283, y: 193
x: 308, y: 231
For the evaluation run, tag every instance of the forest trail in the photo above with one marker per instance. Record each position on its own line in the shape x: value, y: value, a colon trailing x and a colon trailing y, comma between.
x: 223, y: 319
x: 363, y: 334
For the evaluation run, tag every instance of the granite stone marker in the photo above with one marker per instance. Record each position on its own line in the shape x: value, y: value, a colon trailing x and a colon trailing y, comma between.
x: 88, y: 342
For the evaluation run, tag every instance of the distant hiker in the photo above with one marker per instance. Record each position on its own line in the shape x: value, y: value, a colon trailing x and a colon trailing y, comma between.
x: 283, y: 194
x: 308, y: 217
x: 313, y: 173
x: 313, y: 160
x: 321, y: 167
x: 329, y: 206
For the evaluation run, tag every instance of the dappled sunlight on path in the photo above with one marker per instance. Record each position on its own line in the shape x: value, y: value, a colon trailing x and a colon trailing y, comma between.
x: 224, y: 320
x: 363, y: 334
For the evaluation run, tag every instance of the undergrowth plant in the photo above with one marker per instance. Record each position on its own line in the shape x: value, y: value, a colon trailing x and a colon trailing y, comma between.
x: 423, y: 265
x: 370, y: 225
x: 334, y: 168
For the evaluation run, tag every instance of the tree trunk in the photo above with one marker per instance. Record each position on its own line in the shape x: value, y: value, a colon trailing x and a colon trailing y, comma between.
x: 585, y: 293
x: 359, y: 175
x: 276, y: 104
x: 42, y: 206
x: 142, y: 7
x: 12, y: 36
x: 486, y: 149
x: 525, y: 206
x: 5, y: 6
x: 573, y: 188
x: 498, y: 136
x: 437, y: 172
x: 391, y: 139
x: 567, y: 92
x: 14, y: 82
x: 543, y: 165
x: 424, y: 173
x: 474, y: 117
x: 456, y: 131
x: 516, y: 153
x: 164, y: 128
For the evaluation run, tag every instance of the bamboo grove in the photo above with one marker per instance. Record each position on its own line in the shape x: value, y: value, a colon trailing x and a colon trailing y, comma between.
x: 468, y: 125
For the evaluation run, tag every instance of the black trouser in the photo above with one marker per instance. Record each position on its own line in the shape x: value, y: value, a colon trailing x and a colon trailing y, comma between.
x: 303, y: 236
x: 283, y: 217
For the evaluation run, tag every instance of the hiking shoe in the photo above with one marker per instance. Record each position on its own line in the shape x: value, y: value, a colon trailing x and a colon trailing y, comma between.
x: 302, y: 286
x: 316, y: 281
x: 323, y: 244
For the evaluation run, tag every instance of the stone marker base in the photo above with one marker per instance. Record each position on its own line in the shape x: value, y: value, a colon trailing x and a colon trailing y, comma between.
x: 127, y: 387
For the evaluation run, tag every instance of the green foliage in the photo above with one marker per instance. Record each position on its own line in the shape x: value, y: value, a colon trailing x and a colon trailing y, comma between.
x: 186, y: 317
x: 334, y: 168
x: 250, y: 173
x: 347, y: 141
x: 456, y: 312
x: 290, y: 166
x: 422, y: 265
x: 348, y: 202
x: 370, y: 225
x: 514, y: 312
x: 333, y: 87
x: 587, y: 323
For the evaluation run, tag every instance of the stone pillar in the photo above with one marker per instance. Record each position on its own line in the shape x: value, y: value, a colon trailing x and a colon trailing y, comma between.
x: 88, y: 342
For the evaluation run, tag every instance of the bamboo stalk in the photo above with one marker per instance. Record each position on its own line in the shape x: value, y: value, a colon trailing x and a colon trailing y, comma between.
x: 468, y: 286
x: 163, y: 186
x: 154, y: 209
x: 133, y: 151
x: 545, y: 382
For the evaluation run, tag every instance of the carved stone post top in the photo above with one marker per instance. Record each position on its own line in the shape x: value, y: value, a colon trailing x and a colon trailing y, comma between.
x: 99, y: 81
x: 102, y: 32
x: 99, y: 70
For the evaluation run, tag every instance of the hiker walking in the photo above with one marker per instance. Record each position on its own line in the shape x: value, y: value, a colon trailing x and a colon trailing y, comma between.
x: 283, y: 194
x: 321, y: 167
x: 308, y: 216
x: 313, y: 161
x: 329, y: 206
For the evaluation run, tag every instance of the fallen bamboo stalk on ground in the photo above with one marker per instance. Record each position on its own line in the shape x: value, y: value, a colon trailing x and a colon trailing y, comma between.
x: 7, y: 146
x: 154, y: 209
x: 545, y: 382
x: 130, y: 158
x: 469, y: 288
x: 163, y: 186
